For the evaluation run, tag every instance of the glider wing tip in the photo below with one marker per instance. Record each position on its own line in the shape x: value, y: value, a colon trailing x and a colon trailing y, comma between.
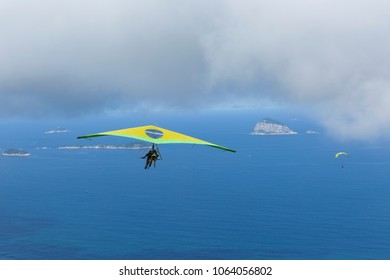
x: 223, y: 148
x: 90, y: 136
x: 228, y: 149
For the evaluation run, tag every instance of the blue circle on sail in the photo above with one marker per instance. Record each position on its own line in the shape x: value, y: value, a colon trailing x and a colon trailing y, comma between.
x: 154, y: 133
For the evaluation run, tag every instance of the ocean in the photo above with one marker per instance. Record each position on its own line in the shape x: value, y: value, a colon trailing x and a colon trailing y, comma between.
x: 277, y: 198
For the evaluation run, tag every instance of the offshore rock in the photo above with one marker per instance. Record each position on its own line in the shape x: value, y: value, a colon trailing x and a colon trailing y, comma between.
x: 269, y: 126
x: 15, y: 153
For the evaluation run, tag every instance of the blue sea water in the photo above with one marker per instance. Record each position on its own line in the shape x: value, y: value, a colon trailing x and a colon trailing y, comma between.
x: 278, y: 197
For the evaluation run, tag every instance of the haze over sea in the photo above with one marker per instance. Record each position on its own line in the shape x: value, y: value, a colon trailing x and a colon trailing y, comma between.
x: 278, y: 197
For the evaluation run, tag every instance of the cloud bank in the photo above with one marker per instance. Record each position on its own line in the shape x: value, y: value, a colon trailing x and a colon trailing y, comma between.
x: 73, y: 58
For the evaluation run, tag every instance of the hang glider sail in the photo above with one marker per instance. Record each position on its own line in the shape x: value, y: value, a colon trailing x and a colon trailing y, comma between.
x: 156, y: 135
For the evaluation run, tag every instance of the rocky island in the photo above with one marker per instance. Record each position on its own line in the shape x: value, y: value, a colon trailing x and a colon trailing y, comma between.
x: 269, y: 126
x: 58, y: 130
x: 15, y: 153
x: 131, y: 146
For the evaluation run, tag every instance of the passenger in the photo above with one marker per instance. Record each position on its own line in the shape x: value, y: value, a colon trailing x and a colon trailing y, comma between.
x: 151, y: 157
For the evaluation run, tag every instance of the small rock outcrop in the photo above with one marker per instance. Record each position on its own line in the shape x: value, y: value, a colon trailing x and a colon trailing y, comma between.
x: 269, y: 126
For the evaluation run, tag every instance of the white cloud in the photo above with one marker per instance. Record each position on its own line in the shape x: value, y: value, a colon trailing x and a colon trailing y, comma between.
x: 73, y: 57
x: 332, y: 55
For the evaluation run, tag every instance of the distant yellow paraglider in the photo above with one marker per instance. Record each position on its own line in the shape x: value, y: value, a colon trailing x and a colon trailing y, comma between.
x: 341, y: 153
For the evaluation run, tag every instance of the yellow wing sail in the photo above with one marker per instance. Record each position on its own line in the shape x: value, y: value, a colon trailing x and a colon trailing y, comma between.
x: 341, y: 153
x: 156, y: 135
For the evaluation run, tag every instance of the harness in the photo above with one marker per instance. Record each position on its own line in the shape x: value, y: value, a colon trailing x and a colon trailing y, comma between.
x: 155, y: 155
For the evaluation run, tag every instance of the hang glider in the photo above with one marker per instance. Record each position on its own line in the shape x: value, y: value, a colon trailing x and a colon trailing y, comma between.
x: 156, y: 135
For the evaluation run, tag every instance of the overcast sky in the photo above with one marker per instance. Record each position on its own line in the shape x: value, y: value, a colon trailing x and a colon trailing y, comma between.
x: 70, y: 58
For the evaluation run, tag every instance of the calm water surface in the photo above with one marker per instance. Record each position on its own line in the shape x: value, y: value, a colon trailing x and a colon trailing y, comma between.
x: 278, y: 197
